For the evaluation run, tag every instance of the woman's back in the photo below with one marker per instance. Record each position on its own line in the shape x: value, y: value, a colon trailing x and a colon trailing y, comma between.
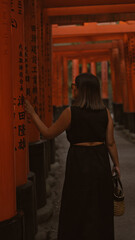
x: 87, y: 125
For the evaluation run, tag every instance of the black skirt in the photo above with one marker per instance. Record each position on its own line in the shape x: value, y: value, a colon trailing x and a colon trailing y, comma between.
x: 86, y: 211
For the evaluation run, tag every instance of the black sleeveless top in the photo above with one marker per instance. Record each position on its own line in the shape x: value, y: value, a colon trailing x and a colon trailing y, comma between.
x: 87, y: 125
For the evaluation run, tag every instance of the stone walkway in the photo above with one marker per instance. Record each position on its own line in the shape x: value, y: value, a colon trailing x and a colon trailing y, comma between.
x: 125, y: 225
x: 48, y: 217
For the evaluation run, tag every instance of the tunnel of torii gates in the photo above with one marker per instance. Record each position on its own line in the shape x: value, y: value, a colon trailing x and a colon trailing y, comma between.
x: 31, y: 68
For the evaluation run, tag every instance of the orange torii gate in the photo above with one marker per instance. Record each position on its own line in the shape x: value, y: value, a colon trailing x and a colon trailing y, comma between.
x: 81, y: 50
x: 76, y: 56
x: 109, y: 32
x: 78, y: 15
x: 55, y: 12
x: 63, y: 14
x: 117, y: 101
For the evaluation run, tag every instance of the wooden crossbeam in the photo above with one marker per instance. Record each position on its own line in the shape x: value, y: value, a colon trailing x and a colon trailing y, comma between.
x: 97, y: 37
x: 92, y: 29
x: 69, y: 3
x: 105, y: 54
x: 83, y: 47
x: 102, y: 9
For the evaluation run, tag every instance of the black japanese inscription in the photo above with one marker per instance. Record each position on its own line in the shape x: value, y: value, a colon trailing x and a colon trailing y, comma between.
x: 21, y: 130
x: 21, y: 100
x: 21, y: 115
x: 22, y: 144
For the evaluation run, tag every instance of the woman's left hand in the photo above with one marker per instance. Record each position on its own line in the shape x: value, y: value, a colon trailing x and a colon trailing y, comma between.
x: 116, y: 169
x: 29, y: 108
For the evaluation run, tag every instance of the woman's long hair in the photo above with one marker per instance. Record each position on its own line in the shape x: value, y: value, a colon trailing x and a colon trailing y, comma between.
x: 89, y: 95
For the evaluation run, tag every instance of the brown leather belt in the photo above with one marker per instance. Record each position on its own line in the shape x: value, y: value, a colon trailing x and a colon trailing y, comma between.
x: 89, y: 143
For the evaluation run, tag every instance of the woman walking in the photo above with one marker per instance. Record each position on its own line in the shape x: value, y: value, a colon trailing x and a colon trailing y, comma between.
x: 86, y: 211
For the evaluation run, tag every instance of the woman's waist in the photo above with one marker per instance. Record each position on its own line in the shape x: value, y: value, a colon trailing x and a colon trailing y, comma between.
x: 88, y: 143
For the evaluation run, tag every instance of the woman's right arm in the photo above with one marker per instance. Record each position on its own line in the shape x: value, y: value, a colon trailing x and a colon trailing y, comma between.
x: 111, y: 145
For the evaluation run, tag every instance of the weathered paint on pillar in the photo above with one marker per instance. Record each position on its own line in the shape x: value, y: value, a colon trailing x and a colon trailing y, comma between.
x: 65, y: 82
x: 39, y: 45
x: 93, y: 68
x: 130, y: 68
x: 31, y: 67
x: 104, y: 78
x: 19, y: 91
x: 117, y: 89
x: 42, y: 75
x: 117, y: 76
x: 128, y: 71
x: 59, y: 81
x: 113, y: 80
x: 75, y: 69
x: 129, y: 46
x: 47, y: 40
x: 7, y: 163
x: 123, y: 76
x: 84, y: 65
x: 54, y: 81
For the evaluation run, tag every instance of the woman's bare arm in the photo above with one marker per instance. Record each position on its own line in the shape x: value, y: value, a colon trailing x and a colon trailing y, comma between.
x: 111, y: 145
x: 56, y: 128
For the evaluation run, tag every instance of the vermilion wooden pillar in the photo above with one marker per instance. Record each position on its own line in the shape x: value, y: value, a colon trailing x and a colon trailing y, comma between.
x: 129, y: 54
x: 54, y: 81
x: 65, y: 82
x: 31, y: 67
x: 84, y: 65
x: 75, y: 69
x: 117, y: 89
x: 130, y: 74
x: 113, y: 80
x: 34, y: 61
x: 132, y: 49
x: 57, y: 85
x: 123, y: 81
x: 40, y: 57
x: 59, y: 81
x: 93, y: 68
x: 7, y: 162
x: 19, y: 91
x: 104, y: 79
x: 47, y: 44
